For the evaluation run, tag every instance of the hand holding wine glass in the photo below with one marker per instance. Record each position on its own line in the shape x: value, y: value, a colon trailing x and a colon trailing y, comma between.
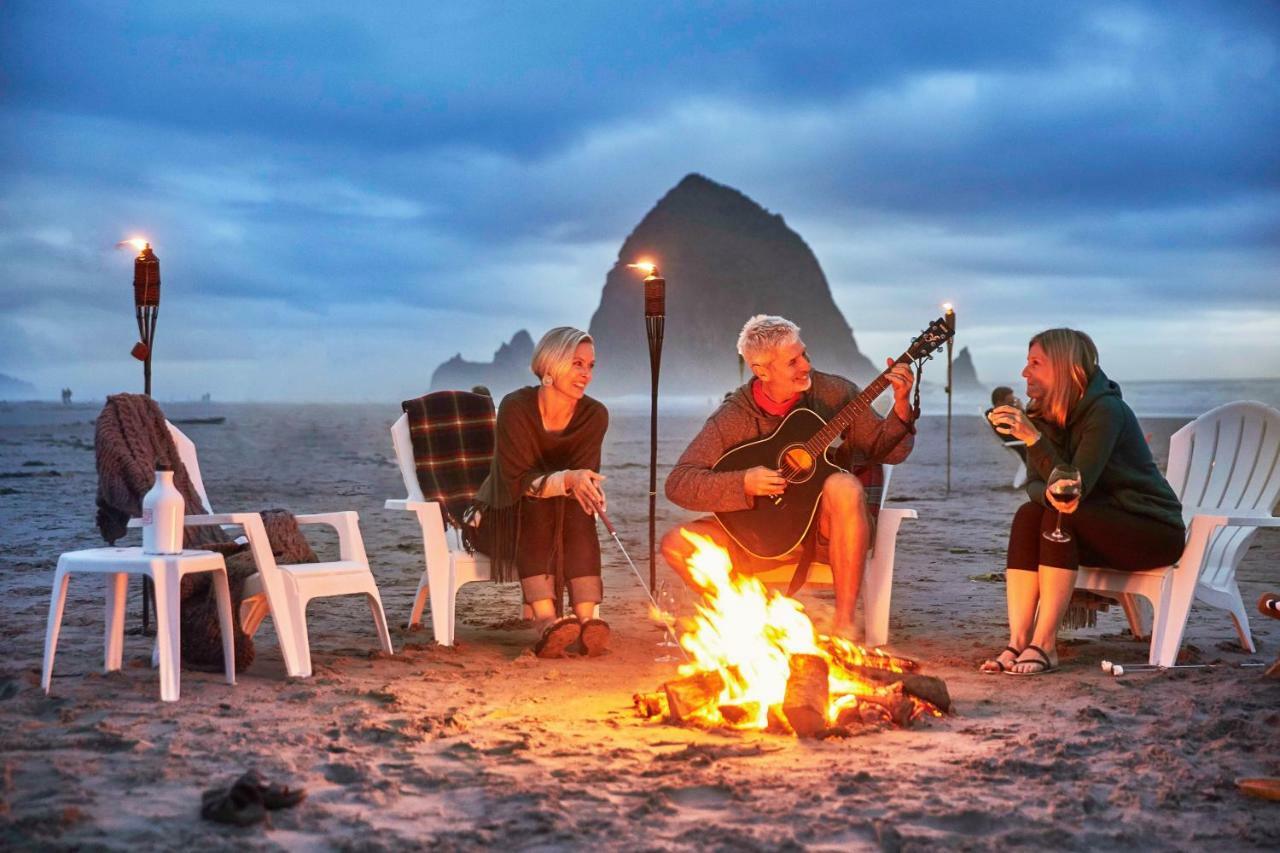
x: 1063, y: 493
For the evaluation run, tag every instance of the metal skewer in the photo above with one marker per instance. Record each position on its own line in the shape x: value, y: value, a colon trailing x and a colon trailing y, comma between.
x: 608, y: 525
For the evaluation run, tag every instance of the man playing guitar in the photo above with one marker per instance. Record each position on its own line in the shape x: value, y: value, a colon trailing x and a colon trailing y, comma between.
x: 784, y: 381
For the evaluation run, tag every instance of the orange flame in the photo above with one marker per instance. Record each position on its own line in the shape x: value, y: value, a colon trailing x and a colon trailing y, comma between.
x: 748, y: 634
x: 136, y: 242
x: 644, y: 266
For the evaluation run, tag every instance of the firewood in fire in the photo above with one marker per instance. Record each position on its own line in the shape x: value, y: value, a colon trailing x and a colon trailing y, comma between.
x: 805, y: 704
x: 930, y: 689
x: 736, y: 715
x: 649, y: 705
x: 686, y: 696
x: 778, y: 724
x: 894, y: 701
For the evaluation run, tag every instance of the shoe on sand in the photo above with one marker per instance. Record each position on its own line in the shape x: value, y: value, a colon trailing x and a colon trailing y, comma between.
x: 558, y: 636
x: 595, y: 637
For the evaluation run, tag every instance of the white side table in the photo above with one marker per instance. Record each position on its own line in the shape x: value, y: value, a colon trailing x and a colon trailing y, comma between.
x: 166, y: 573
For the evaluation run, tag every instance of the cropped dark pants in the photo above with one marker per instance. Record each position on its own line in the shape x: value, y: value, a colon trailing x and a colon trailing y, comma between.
x: 1101, y: 535
x: 553, y: 532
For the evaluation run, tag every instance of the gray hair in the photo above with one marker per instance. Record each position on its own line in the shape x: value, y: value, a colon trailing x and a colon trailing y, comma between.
x: 763, y: 334
x: 554, y: 353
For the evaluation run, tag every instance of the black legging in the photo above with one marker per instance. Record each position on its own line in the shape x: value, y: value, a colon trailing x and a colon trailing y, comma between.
x: 1101, y: 535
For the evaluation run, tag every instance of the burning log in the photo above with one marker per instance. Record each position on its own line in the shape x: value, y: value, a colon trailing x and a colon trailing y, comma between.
x: 894, y: 701
x: 805, y: 705
x: 778, y: 724
x: 736, y: 715
x: 929, y: 688
x: 686, y: 696
x: 649, y: 705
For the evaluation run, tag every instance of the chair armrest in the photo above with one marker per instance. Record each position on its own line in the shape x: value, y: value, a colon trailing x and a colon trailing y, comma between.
x: 897, y: 512
x: 406, y: 504
x: 347, y: 523
x: 1251, y: 521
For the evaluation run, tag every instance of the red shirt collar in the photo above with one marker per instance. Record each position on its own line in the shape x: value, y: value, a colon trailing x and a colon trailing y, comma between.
x: 769, y: 406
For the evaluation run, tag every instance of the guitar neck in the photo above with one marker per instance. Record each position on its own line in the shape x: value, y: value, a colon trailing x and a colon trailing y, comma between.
x: 855, y: 407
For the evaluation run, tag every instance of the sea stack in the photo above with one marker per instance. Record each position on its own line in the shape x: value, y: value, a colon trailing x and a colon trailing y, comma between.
x: 725, y: 258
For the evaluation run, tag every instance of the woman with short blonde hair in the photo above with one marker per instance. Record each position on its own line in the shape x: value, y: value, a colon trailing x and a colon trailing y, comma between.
x: 537, y: 509
x: 1124, y: 516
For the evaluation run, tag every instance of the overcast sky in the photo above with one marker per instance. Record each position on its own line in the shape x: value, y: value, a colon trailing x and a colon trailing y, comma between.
x: 343, y: 195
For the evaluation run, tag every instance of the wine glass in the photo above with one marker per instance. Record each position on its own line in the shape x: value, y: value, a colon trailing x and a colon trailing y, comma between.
x: 665, y: 596
x: 1064, y: 485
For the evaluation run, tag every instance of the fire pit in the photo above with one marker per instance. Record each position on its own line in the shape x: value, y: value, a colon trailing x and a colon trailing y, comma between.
x: 756, y: 662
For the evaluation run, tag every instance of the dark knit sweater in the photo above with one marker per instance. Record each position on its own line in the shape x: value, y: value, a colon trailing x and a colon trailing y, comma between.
x: 693, y: 484
x: 1103, y: 439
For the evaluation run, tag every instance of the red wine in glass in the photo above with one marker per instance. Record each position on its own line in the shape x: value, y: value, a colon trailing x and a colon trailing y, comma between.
x: 1064, y: 485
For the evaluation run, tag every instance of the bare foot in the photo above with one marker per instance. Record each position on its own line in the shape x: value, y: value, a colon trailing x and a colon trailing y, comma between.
x: 1002, y: 662
x: 1035, y: 661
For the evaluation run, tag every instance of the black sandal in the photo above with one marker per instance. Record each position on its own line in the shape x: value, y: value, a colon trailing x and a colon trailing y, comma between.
x: 558, y: 637
x: 1000, y: 665
x: 595, y: 637
x: 1041, y: 660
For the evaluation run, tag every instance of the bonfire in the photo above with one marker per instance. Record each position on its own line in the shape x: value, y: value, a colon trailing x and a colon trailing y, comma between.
x: 755, y: 661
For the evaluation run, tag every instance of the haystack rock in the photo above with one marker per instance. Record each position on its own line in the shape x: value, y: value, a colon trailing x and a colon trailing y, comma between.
x: 963, y: 374
x: 725, y: 258
x: 508, y: 370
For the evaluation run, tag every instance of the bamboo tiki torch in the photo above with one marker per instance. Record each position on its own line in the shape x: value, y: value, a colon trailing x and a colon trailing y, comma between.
x: 655, y: 310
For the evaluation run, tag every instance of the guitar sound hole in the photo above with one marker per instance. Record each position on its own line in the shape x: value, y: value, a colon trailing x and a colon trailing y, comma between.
x: 796, y: 464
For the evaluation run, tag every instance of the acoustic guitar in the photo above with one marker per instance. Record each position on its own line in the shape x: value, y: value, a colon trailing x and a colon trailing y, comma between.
x: 798, y: 449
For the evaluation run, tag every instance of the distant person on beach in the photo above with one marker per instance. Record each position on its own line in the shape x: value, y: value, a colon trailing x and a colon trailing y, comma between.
x: 535, y: 514
x: 1079, y: 434
x: 1003, y: 396
x: 783, y: 380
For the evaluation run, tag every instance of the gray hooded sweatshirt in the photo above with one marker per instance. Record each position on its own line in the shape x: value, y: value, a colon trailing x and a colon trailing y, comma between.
x: 693, y: 485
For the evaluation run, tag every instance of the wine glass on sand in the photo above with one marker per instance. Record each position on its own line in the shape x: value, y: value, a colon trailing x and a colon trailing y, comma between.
x: 665, y: 596
x: 1064, y: 485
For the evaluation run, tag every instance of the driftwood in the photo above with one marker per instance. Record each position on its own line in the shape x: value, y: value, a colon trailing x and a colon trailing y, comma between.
x: 805, y: 705
x: 686, y: 696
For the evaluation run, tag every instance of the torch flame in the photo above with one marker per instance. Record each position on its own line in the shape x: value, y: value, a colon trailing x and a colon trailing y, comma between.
x: 748, y: 634
x: 136, y: 242
x: 644, y: 266
x: 948, y: 307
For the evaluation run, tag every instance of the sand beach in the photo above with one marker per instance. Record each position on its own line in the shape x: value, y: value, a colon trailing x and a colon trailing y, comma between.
x: 482, y: 746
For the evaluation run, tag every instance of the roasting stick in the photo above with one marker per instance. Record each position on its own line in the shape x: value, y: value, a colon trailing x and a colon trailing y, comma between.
x: 608, y: 525
x: 1118, y: 670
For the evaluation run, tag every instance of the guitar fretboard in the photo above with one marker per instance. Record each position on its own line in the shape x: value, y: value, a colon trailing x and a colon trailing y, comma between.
x: 845, y: 417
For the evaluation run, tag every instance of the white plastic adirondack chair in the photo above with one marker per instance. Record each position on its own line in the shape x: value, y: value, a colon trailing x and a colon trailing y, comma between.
x: 1225, y: 468
x: 447, y: 568
x: 877, y: 581
x: 282, y: 591
x: 1011, y: 445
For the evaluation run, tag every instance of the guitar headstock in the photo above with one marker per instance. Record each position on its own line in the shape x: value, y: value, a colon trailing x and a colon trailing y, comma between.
x: 931, y: 339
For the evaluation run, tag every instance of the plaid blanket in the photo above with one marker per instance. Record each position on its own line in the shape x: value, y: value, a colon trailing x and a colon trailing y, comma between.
x: 452, y: 437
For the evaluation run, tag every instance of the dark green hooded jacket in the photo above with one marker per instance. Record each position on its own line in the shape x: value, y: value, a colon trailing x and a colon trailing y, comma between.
x: 1103, y: 439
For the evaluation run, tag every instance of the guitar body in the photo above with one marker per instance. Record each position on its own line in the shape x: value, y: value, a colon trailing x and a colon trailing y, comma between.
x: 773, y: 527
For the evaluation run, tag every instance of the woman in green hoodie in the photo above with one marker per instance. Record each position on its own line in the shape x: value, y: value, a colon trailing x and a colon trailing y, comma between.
x: 1126, y: 516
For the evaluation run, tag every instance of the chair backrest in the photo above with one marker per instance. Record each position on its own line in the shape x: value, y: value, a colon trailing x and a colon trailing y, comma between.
x: 404, y: 458
x: 187, y: 453
x: 1227, y: 459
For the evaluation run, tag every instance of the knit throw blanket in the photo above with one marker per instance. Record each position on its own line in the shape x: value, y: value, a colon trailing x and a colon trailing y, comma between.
x: 130, y: 440
x: 452, y: 437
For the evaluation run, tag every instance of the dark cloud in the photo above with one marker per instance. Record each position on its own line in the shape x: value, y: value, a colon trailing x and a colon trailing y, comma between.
x: 431, y: 179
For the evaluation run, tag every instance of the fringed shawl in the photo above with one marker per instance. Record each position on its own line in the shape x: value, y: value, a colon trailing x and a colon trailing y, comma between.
x: 525, y: 451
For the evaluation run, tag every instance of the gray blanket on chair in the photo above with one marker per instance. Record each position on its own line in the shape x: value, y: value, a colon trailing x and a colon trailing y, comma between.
x: 130, y: 439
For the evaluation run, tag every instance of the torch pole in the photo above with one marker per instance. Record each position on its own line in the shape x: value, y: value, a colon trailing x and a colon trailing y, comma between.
x: 951, y: 322
x: 654, y: 326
